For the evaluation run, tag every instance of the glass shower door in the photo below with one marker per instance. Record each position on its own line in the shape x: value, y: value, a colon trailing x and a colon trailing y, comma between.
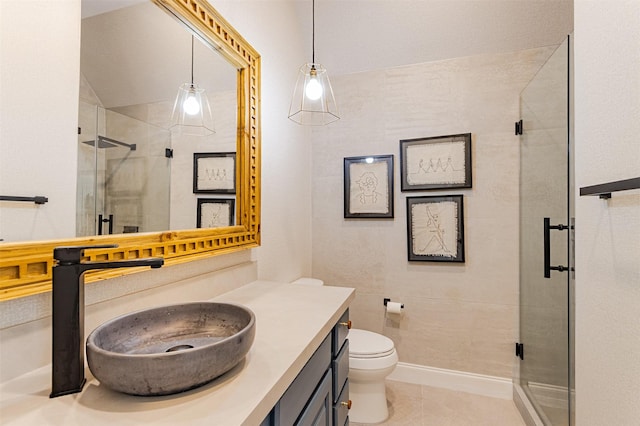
x: 545, y: 231
x: 124, y: 174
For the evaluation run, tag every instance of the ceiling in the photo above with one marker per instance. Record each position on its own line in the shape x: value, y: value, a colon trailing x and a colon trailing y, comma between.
x: 96, y: 7
x: 350, y: 36
x: 122, y: 64
x: 359, y: 35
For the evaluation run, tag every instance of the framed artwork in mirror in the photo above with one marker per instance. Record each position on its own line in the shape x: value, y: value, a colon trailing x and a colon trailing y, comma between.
x: 214, y: 213
x: 214, y: 172
x: 435, y: 228
x: 368, y: 187
x: 440, y: 162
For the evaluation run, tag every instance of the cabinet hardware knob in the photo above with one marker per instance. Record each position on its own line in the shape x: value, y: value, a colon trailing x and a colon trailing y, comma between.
x: 347, y: 324
x: 346, y: 404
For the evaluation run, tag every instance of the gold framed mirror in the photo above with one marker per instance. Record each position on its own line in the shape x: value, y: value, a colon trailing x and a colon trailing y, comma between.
x: 26, y: 267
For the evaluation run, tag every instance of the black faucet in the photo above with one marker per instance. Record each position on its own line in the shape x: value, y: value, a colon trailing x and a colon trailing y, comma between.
x: 67, y: 353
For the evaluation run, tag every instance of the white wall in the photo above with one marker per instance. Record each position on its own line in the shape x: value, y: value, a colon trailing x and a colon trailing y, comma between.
x: 457, y: 316
x: 607, y: 111
x: 39, y: 82
x: 271, y: 28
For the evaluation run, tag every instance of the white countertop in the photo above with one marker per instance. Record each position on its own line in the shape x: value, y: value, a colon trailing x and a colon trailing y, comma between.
x: 291, y: 322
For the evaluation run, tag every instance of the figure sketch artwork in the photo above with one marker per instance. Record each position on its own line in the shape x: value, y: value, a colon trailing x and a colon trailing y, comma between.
x: 369, y: 187
x: 369, y: 192
x: 441, y: 163
x: 214, y: 173
x: 436, y: 228
x: 435, y: 163
x: 215, y: 213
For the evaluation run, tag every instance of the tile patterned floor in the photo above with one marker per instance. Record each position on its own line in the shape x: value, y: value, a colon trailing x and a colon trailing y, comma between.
x: 416, y: 405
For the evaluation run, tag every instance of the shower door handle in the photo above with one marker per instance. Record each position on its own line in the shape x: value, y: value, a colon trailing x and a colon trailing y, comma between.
x: 547, y: 247
x: 101, y: 221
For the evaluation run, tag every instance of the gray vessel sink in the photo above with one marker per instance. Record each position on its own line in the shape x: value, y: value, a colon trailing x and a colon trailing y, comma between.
x: 170, y: 349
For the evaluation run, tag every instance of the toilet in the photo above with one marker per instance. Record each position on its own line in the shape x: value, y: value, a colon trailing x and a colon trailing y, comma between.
x: 372, y: 357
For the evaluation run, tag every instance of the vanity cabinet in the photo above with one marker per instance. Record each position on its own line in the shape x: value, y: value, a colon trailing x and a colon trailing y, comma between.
x: 319, y: 395
x: 340, y: 370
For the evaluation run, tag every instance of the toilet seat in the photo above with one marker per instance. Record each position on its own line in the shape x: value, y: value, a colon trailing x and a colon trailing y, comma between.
x: 366, y: 344
x: 370, y: 351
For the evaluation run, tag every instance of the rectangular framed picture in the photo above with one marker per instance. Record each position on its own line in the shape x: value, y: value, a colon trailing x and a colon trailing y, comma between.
x: 214, y: 172
x: 440, y: 162
x: 435, y: 228
x: 368, y: 187
x: 214, y: 213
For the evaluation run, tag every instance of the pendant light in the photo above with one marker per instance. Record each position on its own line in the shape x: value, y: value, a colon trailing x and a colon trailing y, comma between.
x: 191, y: 111
x: 313, y: 103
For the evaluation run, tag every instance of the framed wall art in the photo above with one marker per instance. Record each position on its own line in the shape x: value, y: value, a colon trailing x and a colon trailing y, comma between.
x: 214, y: 213
x: 368, y: 187
x: 440, y: 162
x: 214, y: 172
x: 435, y: 228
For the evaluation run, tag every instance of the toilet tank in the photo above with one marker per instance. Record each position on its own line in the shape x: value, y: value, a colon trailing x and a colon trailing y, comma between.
x: 308, y: 281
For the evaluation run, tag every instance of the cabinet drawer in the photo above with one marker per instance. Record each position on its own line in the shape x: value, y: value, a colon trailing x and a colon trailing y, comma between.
x: 296, y: 396
x: 341, y: 407
x: 340, y: 367
x: 340, y: 332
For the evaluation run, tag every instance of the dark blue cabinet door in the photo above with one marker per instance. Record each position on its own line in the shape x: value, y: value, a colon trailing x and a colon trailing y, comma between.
x: 318, y: 411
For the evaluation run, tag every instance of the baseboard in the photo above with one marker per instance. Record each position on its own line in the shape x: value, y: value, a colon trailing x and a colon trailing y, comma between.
x: 496, y: 387
x: 550, y: 395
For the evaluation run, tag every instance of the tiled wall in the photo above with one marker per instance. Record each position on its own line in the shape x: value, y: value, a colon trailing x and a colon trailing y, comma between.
x: 457, y: 316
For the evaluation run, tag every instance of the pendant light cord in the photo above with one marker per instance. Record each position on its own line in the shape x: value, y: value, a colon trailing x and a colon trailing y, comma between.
x: 313, y: 31
x: 191, y: 61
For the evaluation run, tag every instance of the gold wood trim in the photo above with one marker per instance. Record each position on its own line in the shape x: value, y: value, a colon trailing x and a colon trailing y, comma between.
x: 25, y: 268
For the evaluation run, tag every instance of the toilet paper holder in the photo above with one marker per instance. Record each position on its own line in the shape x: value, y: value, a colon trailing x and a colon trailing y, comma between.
x: 386, y: 300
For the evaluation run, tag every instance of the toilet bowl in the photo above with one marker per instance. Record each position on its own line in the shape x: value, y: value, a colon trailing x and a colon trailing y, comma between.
x: 372, y: 357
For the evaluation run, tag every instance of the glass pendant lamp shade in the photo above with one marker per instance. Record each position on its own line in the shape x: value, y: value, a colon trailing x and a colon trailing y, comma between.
x: 313, y: 103
x: 191, y: 111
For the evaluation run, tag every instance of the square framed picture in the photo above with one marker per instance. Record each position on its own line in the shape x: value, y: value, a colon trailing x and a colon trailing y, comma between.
x: 440, y: 162
x: 214, y: 172
x: 214, y: 213
x: 435, y: 228
x: 368, y: 187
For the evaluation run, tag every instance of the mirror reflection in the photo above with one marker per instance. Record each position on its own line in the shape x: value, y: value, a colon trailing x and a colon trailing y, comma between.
x: 26, y: 266
x: 137, y: 170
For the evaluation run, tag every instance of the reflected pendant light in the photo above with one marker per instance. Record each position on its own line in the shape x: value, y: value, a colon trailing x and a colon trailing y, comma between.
x: 313, y: 103
x: 191, y: 111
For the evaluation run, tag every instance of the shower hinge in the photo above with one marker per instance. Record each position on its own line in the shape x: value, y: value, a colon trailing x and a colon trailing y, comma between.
x: 79, y: 130
x: 519, y: 127
x: 520, y: 350
x: 168, y: 152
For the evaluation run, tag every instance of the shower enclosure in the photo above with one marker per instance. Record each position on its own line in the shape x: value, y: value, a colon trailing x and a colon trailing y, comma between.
x: 124, y: 174
x: 545, y: 377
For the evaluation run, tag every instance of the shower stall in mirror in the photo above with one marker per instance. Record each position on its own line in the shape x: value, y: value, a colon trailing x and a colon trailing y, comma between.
x: 545, y: 376
x: 124, y: 174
